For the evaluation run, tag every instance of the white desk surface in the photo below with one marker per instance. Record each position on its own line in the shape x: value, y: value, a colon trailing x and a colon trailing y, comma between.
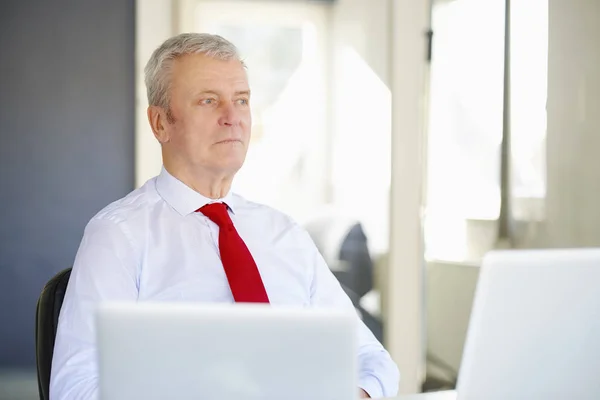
x: 444, y: 395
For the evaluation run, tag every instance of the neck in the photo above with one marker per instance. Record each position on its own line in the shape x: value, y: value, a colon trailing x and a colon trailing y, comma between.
x: 208, y: 184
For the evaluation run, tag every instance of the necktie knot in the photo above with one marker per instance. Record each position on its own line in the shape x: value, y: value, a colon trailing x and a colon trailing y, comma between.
x: 217, y: 213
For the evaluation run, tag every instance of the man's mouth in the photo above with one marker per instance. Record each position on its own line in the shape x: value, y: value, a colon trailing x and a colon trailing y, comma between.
x: 226, y: 141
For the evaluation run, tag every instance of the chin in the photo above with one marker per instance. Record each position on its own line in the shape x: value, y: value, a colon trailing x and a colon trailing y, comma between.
x: 229, y: 161
x: 233, y: 166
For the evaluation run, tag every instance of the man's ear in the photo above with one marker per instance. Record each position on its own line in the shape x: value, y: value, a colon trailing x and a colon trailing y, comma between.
x: 158, y: 121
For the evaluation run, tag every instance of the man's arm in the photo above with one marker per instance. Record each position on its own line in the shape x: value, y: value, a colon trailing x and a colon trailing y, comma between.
x: 378, y: 374
x: 104, y: 270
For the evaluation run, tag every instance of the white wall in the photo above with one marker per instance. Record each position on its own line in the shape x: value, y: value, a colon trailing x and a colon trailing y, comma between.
x: 450, y: 288
x: 573, y: 200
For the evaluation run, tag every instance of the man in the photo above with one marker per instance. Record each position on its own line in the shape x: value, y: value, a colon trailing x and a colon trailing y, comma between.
x: 184, y: 236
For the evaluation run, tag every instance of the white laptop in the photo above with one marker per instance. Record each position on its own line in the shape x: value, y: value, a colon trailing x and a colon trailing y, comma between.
x: 225, y: 352
x: 534, y: 332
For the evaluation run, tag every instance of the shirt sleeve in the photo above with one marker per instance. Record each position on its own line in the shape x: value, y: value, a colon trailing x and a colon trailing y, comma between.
x: 104, y: 270
x: 378, y: 374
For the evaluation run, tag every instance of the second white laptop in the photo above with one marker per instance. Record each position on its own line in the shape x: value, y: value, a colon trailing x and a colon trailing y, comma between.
x: 534, y: 332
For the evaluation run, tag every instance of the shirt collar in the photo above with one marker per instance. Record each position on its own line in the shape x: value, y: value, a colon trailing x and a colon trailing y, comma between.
x: 184, y: 199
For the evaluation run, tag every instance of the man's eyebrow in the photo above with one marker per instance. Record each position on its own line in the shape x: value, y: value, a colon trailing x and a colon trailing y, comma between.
x: 207, y: 92
x: 213, y: 92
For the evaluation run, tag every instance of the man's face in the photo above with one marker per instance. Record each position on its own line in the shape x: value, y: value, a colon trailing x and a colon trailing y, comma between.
x: 209, y: 102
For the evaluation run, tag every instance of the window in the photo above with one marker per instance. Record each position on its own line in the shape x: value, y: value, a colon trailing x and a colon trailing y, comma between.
x: 466, y: 123
x: 528, y: 94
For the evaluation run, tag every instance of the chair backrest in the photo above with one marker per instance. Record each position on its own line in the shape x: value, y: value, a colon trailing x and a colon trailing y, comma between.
x: 46, y: 321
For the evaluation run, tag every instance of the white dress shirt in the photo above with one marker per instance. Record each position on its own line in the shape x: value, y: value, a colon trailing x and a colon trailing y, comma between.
x: 152, y: 245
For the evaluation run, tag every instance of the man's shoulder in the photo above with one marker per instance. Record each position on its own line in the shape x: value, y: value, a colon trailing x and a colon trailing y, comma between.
x: 134, y: 204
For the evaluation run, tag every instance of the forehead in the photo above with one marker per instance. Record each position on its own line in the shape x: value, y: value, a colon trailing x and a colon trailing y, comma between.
x: 197, y: 71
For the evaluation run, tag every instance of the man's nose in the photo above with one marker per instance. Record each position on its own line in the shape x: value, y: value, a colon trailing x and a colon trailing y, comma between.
x: 230, y: 116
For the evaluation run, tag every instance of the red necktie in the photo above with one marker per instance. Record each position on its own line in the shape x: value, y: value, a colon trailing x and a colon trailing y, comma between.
x: 241, y: 270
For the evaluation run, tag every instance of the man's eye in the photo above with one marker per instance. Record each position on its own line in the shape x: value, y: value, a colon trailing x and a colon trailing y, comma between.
x: 243, y: 102
x: 208, y: 101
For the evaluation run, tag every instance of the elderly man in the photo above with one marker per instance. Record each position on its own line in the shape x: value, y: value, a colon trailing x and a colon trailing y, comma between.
x: 184, y: 236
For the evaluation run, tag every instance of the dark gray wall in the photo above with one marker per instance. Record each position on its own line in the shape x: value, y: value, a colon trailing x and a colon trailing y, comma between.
x: 66, y: 142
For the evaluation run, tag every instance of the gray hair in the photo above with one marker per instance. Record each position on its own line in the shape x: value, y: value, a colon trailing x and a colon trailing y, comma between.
x: 157, y: 71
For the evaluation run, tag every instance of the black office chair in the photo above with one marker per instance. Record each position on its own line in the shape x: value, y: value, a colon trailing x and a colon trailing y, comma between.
x: 46, y: 321
x: 350, y: 250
